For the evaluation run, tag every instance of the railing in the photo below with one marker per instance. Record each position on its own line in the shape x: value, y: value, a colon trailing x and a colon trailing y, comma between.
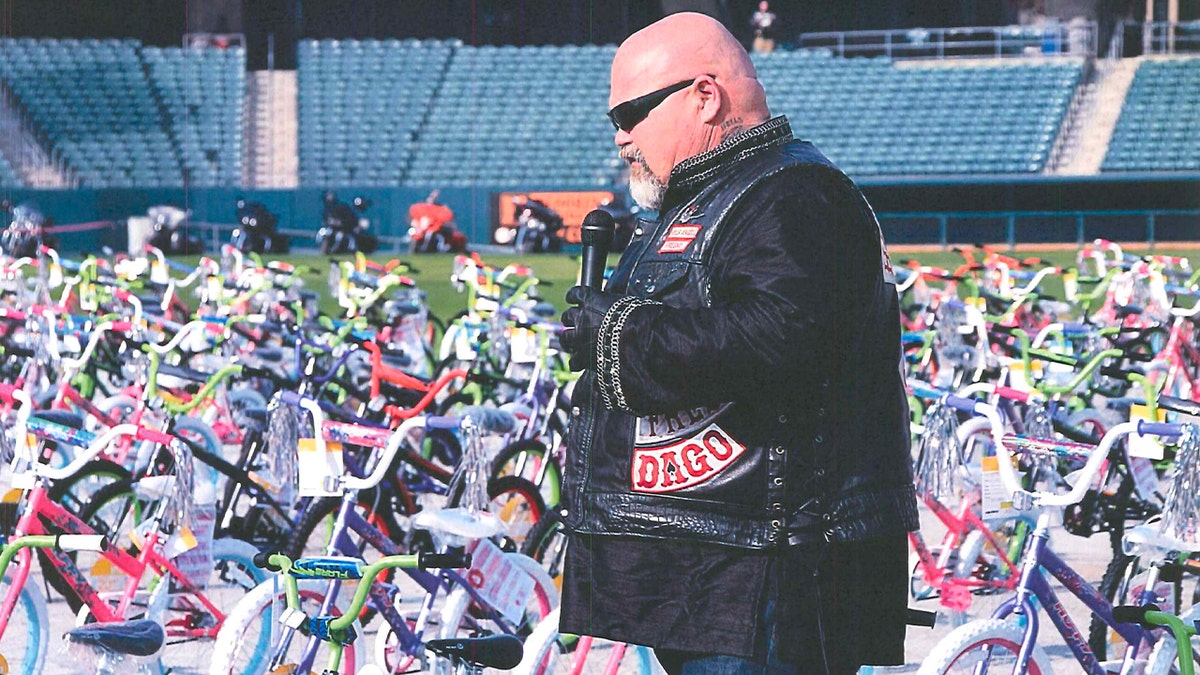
x: 1053, y: 39
x: 30, y: 154
x: 1032, y: 227
x: 1171, y: 38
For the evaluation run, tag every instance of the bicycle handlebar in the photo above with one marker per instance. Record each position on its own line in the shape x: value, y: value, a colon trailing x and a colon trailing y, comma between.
x: 1025, y: 499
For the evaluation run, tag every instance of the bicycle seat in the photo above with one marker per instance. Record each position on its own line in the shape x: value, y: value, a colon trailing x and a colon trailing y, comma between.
x: 136, y: 638
x: 494, y: 651
x: 460, y: 522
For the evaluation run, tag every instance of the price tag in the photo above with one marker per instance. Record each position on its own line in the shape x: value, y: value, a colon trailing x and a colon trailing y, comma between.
x: 996, y: 501
x: 1148, y: 447
x: 319, y: 472
x: 499, y: 580
x: 1017, y: 378
x: 524, y: 345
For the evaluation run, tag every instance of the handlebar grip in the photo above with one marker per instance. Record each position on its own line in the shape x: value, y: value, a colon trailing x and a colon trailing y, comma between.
x: 122, y: 326
x: 263, y: 559
x: 81, y: 542
x: 1114, y: 372
x: 6, y: 392
x: 1159, y: 428
x: 966, y: 405
x: 1133, y: 613
x: 154, y: 436
x: 443, y: 560
x: 1013, y: 394
x: 443, y: 422
x: 920, y: 617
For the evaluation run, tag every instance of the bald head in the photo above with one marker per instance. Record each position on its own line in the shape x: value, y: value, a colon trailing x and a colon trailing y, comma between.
x: 725, y: 98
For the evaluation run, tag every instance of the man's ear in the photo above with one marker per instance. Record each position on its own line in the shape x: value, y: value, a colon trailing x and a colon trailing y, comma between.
x: 711, y: 99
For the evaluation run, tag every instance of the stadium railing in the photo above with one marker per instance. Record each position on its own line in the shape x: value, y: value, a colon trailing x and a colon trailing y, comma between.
x: 1053, y: 39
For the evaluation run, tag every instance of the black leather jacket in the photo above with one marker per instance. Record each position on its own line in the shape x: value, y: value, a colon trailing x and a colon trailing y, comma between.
x: 748, y: 389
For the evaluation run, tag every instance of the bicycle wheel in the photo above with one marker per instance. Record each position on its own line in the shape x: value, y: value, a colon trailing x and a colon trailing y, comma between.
x: 1124, y: 580
x: 251, y: 634
x: 547, y: 544
x: 27, y: 637
x: 548, y: 652
x: 989, y: 645
x: 190, y: 648
x: 462, y: 616
x: 526, y: 458
x: 518, y: 504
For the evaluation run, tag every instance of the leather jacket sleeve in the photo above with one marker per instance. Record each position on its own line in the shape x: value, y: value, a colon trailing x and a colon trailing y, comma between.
x: 786, y: 272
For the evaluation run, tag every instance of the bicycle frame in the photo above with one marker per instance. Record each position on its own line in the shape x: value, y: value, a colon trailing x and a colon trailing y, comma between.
x: 1034, y: 582
x: 955, y: 591
x: 410, y: 639
x: 40, y: 510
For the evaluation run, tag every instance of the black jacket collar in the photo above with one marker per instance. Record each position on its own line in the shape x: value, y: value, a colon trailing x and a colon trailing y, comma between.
x: 692, y: 173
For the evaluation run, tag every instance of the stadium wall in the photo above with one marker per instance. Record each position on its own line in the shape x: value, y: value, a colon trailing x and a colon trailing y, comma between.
x: 931, y: 211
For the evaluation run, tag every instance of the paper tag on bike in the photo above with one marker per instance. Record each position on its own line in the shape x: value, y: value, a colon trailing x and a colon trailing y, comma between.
x: 499, y: 580
x: 464, y: 347
x: 996, y: 501
x: 1017, y: 378
x: 1145, y: 446
x: 320, y: 472
x: 524, y: 343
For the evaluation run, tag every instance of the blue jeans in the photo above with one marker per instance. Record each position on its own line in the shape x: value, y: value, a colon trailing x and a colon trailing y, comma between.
x: 694, y: 663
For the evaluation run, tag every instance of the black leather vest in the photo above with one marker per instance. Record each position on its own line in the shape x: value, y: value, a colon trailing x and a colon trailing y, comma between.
x: 746, y: 473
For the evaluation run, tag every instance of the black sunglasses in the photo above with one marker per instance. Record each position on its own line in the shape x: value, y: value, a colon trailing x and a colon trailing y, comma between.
x: 627, y: 115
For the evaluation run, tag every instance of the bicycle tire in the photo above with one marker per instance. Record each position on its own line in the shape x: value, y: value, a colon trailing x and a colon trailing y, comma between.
x: 233, y: 563
x: 547, y: 544
x: 1119, y: 586
x: 26, y: 640
x: 959, y: 651
x: 460, y: 616
x: 527, y: 456
x: 258, y: 609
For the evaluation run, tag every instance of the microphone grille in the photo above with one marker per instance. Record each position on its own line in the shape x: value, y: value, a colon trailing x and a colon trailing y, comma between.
x: 598, y: 229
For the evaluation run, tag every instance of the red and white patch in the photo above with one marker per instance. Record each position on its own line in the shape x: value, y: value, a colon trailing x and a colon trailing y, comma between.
x: 686, y: 463
x: 679, y: 238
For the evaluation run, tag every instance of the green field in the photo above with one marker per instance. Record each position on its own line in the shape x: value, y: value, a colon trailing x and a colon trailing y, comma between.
x: 559, y: 271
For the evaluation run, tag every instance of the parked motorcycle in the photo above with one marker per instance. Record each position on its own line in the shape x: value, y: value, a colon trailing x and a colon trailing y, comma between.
x: 26, y: 232
x: 256, y: 231
x: 170, y: 231
x: 345, y: 228
x: 625, y: 218
x: 432, y: 230
x: 538, y: 227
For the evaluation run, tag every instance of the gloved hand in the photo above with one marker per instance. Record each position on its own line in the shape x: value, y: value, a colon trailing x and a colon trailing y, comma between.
x: 582, y: 323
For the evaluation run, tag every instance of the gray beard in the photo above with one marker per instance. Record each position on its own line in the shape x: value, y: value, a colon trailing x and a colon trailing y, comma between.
x: 646, y: 189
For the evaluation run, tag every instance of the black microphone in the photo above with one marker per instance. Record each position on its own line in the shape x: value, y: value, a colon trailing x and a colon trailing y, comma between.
x: 597, y: 236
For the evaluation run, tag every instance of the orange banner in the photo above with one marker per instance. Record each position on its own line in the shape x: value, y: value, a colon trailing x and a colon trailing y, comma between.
x: 572, y: 206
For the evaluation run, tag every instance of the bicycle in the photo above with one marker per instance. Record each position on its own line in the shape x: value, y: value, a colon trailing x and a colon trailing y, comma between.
x: 466, y: 655
x: 189, y: 608
x: 466, y: 605
x: 977, y: 645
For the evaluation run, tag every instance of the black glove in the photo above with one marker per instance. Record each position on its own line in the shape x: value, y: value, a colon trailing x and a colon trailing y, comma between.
x: 582, y: 323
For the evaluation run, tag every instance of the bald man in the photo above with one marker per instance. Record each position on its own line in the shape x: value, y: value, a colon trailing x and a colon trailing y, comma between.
x: 738, y: 487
